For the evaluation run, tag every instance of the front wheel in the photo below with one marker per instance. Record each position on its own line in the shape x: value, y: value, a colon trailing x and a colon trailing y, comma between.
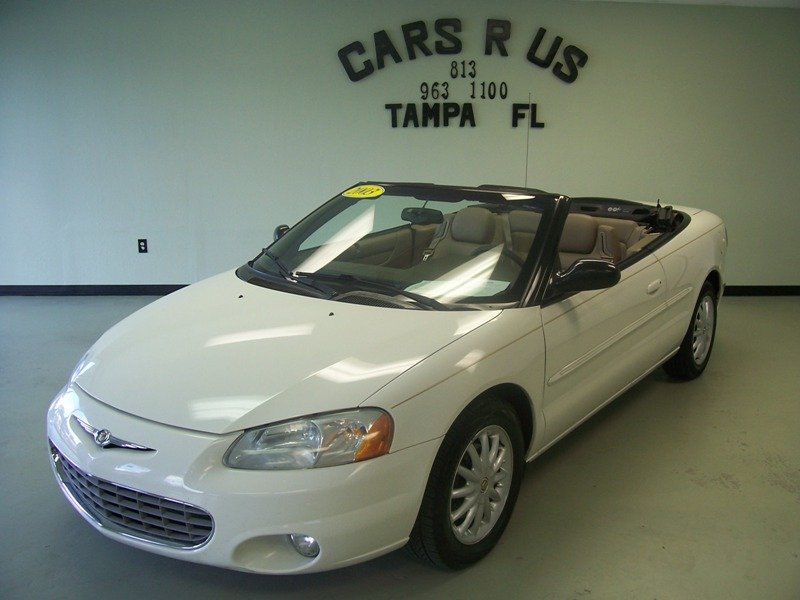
x: 472, y: 487
x: 692, y: 357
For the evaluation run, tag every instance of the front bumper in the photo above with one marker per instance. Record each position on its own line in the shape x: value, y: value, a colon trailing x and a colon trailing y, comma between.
x: 355, y: 512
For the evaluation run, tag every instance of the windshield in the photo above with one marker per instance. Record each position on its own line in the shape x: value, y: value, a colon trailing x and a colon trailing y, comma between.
x: 437, y: 246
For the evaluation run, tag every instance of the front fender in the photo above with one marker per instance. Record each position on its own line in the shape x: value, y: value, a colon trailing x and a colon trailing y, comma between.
x: 427, y: 399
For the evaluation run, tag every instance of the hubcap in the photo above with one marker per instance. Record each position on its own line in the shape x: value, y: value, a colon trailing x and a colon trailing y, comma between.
x: 481, y: 485
x: 703, y: 333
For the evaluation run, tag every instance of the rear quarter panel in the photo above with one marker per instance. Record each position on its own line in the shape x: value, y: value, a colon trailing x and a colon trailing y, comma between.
x: 688, y: 259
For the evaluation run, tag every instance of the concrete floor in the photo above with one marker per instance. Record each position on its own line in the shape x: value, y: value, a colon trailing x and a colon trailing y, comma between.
x: 677, y: 490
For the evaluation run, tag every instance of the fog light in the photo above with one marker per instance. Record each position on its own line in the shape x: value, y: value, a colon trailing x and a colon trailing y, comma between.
x: 305, y: 545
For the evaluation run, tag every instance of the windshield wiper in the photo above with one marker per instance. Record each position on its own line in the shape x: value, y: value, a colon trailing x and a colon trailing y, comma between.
x: 287, y: 274
x: 375, y: 286
x: 285, y: 271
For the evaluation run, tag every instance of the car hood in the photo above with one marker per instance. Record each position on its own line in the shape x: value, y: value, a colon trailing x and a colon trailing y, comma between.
x: 224, y: 355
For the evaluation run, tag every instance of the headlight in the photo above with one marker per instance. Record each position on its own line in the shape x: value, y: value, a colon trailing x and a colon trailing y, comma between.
x: 321, y: 441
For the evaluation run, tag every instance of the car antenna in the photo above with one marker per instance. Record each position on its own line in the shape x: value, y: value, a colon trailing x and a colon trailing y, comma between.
x: 527, y: 145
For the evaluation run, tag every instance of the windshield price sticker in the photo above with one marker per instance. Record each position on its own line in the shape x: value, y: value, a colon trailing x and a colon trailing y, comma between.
x: 364, y: 191
x: 450, y: 99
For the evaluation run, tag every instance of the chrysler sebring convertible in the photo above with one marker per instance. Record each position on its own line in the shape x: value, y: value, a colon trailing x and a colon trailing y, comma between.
x: 379, y: 375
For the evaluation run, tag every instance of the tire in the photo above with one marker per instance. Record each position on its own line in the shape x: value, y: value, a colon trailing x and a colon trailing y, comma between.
x: 692, y: 357
x: 481, y: 463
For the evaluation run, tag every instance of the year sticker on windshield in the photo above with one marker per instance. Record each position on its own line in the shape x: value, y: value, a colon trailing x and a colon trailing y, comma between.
x: 364, y: 191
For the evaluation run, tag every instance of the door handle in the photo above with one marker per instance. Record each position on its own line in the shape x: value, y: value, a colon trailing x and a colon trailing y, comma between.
x: 654, y: 287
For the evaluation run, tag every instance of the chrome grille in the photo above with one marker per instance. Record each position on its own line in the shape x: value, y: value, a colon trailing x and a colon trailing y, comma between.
x: 134, y: 513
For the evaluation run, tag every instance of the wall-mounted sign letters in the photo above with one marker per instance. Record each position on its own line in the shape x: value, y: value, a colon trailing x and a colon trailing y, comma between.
x: 438, y: 106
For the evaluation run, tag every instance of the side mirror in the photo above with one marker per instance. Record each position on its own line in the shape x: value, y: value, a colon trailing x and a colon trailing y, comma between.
x: 280, y: 230
x: 586, y: 274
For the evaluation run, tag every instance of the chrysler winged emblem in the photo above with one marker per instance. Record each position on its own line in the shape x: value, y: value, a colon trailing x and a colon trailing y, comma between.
x: 104, y: 439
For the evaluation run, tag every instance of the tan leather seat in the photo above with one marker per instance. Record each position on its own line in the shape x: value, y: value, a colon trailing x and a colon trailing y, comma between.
x: 630, y: 234
x: 577, y: 239
x: 608, y: 246
x: 584, y: 237
x: 471, y: 228
x: 629, y: 231
x: 644, y: 241
x: 522, y: 225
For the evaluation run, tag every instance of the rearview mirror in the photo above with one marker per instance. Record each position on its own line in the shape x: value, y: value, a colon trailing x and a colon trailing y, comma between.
x: 421, y: 216
x: 586, y: 274
x: 280, y: 230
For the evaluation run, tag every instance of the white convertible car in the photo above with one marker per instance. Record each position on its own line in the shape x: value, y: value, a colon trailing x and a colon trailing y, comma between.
x: 379, y: 375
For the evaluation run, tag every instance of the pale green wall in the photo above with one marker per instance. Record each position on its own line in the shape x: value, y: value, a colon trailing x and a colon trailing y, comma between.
x: 201, y: 125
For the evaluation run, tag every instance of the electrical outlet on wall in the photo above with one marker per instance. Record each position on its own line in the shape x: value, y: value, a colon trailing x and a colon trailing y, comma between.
x: 142, y: 246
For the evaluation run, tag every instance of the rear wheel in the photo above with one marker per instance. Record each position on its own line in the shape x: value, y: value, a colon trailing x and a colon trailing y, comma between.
x: 692, y: 357
x: 472, y: 487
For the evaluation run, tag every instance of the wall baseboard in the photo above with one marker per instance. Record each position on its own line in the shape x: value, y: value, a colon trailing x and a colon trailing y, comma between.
x: 762, y: 290
x: 89, y: 290
x: 164, y: 289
